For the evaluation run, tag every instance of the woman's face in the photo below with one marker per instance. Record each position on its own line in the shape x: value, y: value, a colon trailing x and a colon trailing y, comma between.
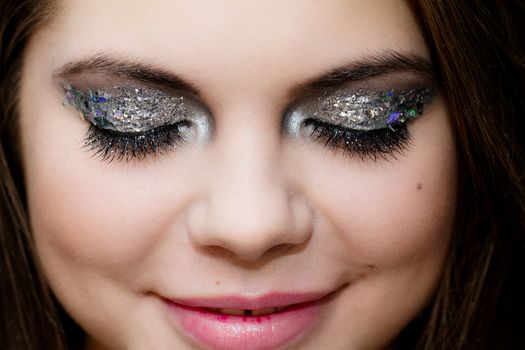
x: 240, y: 157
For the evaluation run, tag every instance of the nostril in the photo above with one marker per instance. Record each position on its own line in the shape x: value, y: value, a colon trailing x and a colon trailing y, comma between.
x: 281, y: 248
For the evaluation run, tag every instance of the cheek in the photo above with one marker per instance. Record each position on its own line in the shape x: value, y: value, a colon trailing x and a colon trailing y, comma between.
x: 389, y: 213
x: 394, y: 218
x: 91, y: 221
x: 103, y: 219
x: 87, y: 213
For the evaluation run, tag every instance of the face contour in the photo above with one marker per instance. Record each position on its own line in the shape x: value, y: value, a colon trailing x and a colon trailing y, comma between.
x: 215, y: 180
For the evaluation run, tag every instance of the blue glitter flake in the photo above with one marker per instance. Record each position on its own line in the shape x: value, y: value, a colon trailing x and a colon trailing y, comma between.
x: 394, y: 116
x: 95, y: 97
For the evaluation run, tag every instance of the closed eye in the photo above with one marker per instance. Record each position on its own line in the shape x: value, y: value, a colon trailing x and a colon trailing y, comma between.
x: 365, y: 123
x: 113, y: 145
x: 363, y: 144
x: 134, y: 122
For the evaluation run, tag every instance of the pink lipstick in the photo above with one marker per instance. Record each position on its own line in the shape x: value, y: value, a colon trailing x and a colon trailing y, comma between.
x: 236, y: 323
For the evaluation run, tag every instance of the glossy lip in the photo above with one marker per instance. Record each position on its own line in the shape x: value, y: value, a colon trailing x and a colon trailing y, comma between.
x: 221, y: 331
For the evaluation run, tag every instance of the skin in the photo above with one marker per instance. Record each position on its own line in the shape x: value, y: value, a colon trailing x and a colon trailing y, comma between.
x: 253, y: 210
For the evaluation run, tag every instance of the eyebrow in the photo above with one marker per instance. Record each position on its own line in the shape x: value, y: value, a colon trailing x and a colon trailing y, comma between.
x: 381, y: 64
x: 128, y: 68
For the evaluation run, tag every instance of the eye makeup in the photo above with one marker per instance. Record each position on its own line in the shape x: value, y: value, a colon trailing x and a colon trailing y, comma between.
x: 133, y: 121
x: 362, y: 122
x: 128, y: 109
x: 362, y: 110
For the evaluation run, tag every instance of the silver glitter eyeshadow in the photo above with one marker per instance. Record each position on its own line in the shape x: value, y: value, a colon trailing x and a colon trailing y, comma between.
x: 131, y: 109
x: 365, y: 110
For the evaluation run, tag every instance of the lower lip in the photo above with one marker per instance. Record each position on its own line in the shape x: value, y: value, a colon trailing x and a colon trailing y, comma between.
x: 232, y: 332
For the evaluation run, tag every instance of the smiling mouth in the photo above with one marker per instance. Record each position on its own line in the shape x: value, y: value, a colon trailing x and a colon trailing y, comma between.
x: 266, y: 322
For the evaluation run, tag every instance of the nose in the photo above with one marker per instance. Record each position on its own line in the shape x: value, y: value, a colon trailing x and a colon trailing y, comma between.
x: 249, y: 207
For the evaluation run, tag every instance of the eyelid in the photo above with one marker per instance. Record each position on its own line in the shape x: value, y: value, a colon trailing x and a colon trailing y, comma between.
x: 360, y: 109
x: 136, y: 109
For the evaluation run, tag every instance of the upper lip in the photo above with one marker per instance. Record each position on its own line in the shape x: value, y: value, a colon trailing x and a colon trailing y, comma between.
x: 251, y: 303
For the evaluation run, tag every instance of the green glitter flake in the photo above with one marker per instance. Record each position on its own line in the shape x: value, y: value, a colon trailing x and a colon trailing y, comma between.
x: 103, y: 122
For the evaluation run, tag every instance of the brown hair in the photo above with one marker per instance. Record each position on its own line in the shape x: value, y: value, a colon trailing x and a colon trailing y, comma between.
x: 28, y: 319
x: 479, y: 303
x: 481, y: 59
x: 481, y: 56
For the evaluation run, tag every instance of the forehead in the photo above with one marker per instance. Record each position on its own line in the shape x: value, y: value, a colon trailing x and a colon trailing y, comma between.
x: 235, y: 40
x: 361, y: 25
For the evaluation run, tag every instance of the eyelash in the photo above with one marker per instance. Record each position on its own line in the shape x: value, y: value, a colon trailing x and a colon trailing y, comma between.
x: 113, y: 145
x: 364, y: 144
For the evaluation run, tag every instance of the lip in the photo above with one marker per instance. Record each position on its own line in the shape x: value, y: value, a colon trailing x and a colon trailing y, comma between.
x: 222, y: 331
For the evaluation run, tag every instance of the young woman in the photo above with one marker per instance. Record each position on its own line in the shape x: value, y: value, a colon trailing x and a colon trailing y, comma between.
x: 261, y: 175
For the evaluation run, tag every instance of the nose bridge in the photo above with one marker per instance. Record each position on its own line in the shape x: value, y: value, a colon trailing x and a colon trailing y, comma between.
x: 248, y: 197
x: 248, y: 208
